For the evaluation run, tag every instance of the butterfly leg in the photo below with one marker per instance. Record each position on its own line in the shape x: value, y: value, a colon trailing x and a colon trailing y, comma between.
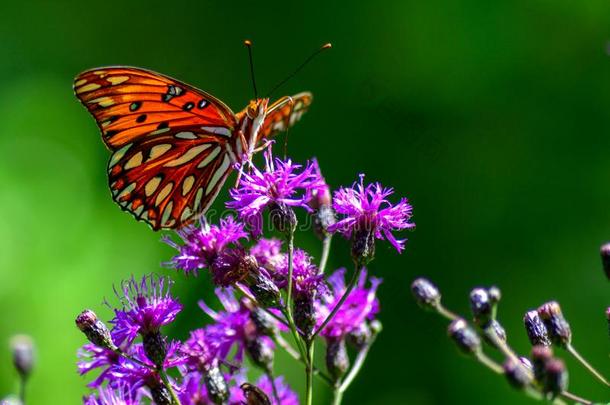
x: 287, y: 126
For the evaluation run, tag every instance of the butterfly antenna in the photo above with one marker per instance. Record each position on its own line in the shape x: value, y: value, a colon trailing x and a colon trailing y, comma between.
x: 301, y: 66
x: 248, y: 44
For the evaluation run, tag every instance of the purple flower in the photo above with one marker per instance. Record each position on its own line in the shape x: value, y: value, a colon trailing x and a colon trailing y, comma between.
x: 92, y: 357
x: 232, y: 328
x: 135, y: 375
x: 281, y: 183
x: 360, y: 306
x: 202, y: 245
x: 286, y: 395
x: 305, y: 276
x: 109, y: 396
x: 198, y: 351
x: 320, y: 193
x: 147, y: 306
x: 367, y: 209
x: 193, y: 390
x: 268, y: 253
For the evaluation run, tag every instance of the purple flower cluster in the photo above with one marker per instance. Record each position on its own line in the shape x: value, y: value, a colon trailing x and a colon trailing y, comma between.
x: 266, y: 287
x: 366, y: 209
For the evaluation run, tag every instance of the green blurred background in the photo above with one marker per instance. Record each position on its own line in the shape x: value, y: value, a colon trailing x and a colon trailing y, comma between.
x: 492, y: 117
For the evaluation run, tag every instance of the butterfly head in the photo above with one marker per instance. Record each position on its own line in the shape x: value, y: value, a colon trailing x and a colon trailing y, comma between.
x: 257, y: 108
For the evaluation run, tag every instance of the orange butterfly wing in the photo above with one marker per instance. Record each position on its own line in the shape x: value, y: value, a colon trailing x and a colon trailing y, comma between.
x: 171, y: 142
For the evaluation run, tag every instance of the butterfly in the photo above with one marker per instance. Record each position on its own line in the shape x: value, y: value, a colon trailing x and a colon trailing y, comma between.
x: 173, y: 145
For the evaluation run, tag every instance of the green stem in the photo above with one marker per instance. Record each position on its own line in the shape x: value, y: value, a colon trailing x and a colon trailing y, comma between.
x: 325, y: 252
x: 360, y: 359
x: 273, y: 386
x: 279, y: 340
x: 22, y: 384
x: 346, y: 294
x: 309, y: 373
x: 163, y: 376
x: 579, y: 400
x: 586, y: 364
x: 444, y: 312
x: 337, y: 396
x: 287, y: 308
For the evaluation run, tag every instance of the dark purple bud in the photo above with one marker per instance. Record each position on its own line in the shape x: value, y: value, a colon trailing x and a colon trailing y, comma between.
x: 536, y: 331
x: 154, y: 347
x: 260, y: 352
x: 556, y: 325
x: 159, y: 393
x: 363, y: 246
x: 262, y: 287
x: 540, y: 357
x: 483, y: 309
x: 464, y: 336
x: 360, y: 337
x: 23, y: 354
x: 495, y: 334
x: 265, y: 324
x: 323, y: 217
x: 216, y: 385
x: 426, y: 294
x: 495, y: 295
x: 556, y: 378
x: 95, y: 330
x: 605, y: 253
x: 283, y: 218
x: 337, y: 360
x: 304, y: 313
x: 517, y: 374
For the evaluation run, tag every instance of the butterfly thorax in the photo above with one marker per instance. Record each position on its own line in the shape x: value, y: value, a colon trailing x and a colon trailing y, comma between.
x: 251, y: 121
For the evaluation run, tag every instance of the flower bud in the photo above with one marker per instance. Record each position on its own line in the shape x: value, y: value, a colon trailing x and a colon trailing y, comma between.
x: 283, y: 218
x: 160, y: 393
x: 265, y: 324
x: 360, y: 337
x: 154, y: 347
x: 263, y: 288
x: 95, y: 330
x: 556, y: 378
x: 557, y: 326
x: 536, y: 331
x: 495, y: 334
x: 483, y: 303
x: 363, y: 246
x: 216, y: 385
x: 260, y: 352
x: 304, y: 313
x: 23, y: 355
x: 10, y: 400
x: 376, y: 326
x: 605, y: 254
x: 464, y: 336
x: 337, y: 360
x: 323, y: 217
x: 426, y: 294
x: 517, y: 374
x: 540, y: 357
x: 495, y: 295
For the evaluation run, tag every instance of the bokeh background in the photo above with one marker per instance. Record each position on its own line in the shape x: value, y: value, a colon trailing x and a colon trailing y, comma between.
x: 492, y: 117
